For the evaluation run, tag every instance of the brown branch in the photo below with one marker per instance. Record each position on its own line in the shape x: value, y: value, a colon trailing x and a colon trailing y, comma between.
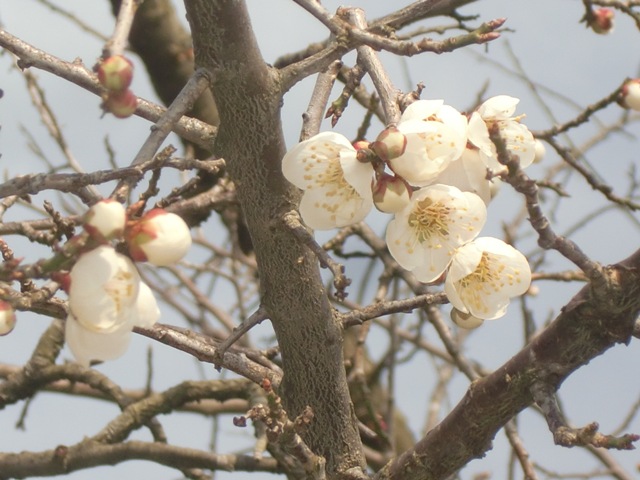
x: 203, y: 348
x: 193, y: 130
x: 340, y: 281
x: 358, y: 317
x: 544, y: 396
x: 88, y: 454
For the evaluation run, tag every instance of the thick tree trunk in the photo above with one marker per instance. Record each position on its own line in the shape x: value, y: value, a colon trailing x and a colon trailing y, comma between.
x: 251, y: 142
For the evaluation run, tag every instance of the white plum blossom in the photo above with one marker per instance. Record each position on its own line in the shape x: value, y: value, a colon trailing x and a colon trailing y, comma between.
x: 484, y: 275
x: 336, y: 185
x: 7, y: 318
x: 498, y: 111
x: 435, y: 136
x: 159, y: 237
x: 107, y: 299
x: 106, y: 218
x: 425, y: 234
x: 469, y: 174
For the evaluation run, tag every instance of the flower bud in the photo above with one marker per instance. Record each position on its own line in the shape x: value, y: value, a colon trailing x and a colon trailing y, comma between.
x: 630, y: 95
x: 7, y: 318
x: 390, y: 144
x: 115, y: 73
x: 121, y: 104
x: 465, y: 320
x: 540, y: 151
x: 159, y: 237
x: 105, y: 220
x: 601, y: 20
x: 390, y: 193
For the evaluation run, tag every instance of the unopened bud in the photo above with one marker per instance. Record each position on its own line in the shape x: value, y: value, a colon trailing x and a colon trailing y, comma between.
x: 540, y: 151
x: 630, y: 95
x: 7, y: 318
x: 115, y: 73
x: 390, y: 193
x: 465, y: 320
x: 122, y: 104
x: 159, y: 237
x: 106, y: 219
x: 390, y: 144
x: 601, y: 20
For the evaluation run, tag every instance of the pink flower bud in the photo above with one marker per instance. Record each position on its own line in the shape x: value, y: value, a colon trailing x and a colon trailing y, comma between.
x: 390, y: 144
x: 105, y: 220
x: 630, y: 95
x: 159, y: 237
x: 121, y: 104
x: 115, y: 73
x: 601, y: 20
x: 390, y: 193
x: 7, y: 318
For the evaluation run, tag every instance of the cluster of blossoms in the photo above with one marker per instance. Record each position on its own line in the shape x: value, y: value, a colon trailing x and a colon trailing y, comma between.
x: 107, y: 297
x: 115, y: 74
x: 435, y: 172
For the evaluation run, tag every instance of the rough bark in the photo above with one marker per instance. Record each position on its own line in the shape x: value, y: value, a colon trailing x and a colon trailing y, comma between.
x: 251, y: 142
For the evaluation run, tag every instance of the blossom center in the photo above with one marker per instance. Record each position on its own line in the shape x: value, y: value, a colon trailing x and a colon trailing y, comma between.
x: 429, y: 218
x: 121, y: 290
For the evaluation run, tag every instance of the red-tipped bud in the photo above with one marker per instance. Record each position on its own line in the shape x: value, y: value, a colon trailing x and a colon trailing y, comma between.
x: 159, y: 237
x: 115, y: 73
x: 601, y: 20
x: 390, y: 144
x: 122, y: 104
x: 105, y: 219
x: 390, y: 193
x: 7, y: 318
x: 630, y: 95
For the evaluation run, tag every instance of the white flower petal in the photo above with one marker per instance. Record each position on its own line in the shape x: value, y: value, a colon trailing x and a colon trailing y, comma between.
x: 147, y: 312
x: 106, y: 217
x: 162, y: 237
x: 499, y: 107
x: 424, y: 235
x: 421, y: 110
x: 337, y: 187
x: 356, y: 173
x: 307, y: 160
x: 469, y: 174
x: 104, y: 287
x: 502, y: 273
x: 87, y: 345
x: 324, y: 210
x: 431, y: 146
